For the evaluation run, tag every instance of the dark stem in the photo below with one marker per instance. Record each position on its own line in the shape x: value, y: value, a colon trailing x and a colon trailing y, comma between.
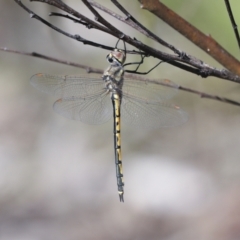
x: 71, y: 18
x: 234, y: 25
x: 76, y: 36
x: 186, y: 62
x: 151, y: 34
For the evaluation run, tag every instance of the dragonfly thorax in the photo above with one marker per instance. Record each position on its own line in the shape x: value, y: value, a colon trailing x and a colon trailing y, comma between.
x: 113, y: 75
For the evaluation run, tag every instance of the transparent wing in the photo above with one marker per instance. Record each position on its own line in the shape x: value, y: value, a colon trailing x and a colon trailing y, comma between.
x: 153, y: 91
x: 151, y: 115
x: 95, y: 110
x: 68, y: 86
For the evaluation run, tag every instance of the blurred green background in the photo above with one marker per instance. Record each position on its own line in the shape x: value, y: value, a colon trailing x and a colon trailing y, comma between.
x: 57, y: 176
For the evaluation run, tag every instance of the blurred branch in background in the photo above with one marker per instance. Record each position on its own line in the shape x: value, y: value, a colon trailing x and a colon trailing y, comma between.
x: 133, y: 76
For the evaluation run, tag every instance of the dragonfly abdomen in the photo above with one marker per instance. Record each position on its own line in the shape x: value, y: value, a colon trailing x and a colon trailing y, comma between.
x: 116, y: 101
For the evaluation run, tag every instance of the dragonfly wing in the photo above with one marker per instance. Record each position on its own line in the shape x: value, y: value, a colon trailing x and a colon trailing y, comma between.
x: 152, y: 90
x: 151, y: 115
x: 68, y: 86
x: 94, y: 110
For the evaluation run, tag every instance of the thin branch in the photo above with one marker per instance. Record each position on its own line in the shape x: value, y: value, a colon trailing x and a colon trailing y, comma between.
x: 234, y: 25
x: 204, y: 72
x: 171, y: 59
x: 133, y: 76
x: 189, y: 59
x: 76, y: 36
x: 61, y: 5
x: 100, y: 19
x: 151, y: 34
x: 45, y: 57
x: 118, y: 17
x: 70, y: 18
x: 209, y: 96
x: 189, y: 90
x: 206, y: 43
x: 187, y: 63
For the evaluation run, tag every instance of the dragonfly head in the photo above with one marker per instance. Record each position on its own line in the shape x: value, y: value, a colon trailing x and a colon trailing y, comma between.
x: 116, y: 58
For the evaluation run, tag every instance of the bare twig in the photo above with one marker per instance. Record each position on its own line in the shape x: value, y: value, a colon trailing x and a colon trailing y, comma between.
x: 133, y: 76
x: 189, y: 90
x: 206, y: 43
x: 45, y: 57
x: 171, y: 59
x: 151, y: 34
x: 76, y: 37
x: 143, y: 47
x: 59, y: 4
x: 100, y: 19
x: 118, y: 17
x: 71, y: 18
x: 128, y: 21
x: 209, y: 96
x: 234, y: 25
x: 187, y: 63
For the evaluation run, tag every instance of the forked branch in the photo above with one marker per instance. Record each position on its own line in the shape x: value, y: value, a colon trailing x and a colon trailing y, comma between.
x: 205, y: 42
x: 183, y: 61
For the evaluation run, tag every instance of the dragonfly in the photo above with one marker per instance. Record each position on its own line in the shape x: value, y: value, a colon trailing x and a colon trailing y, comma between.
x: 94, y: 98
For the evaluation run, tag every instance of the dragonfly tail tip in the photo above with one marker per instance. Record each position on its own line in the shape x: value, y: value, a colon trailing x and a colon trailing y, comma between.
x: 121, y: 197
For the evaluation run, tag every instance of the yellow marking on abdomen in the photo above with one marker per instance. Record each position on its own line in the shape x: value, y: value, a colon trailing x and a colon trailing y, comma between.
x: 117, y: 143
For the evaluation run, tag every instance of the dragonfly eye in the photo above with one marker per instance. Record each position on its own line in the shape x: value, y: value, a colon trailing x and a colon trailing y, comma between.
x: 110, y: 60
x: 113, y: 60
